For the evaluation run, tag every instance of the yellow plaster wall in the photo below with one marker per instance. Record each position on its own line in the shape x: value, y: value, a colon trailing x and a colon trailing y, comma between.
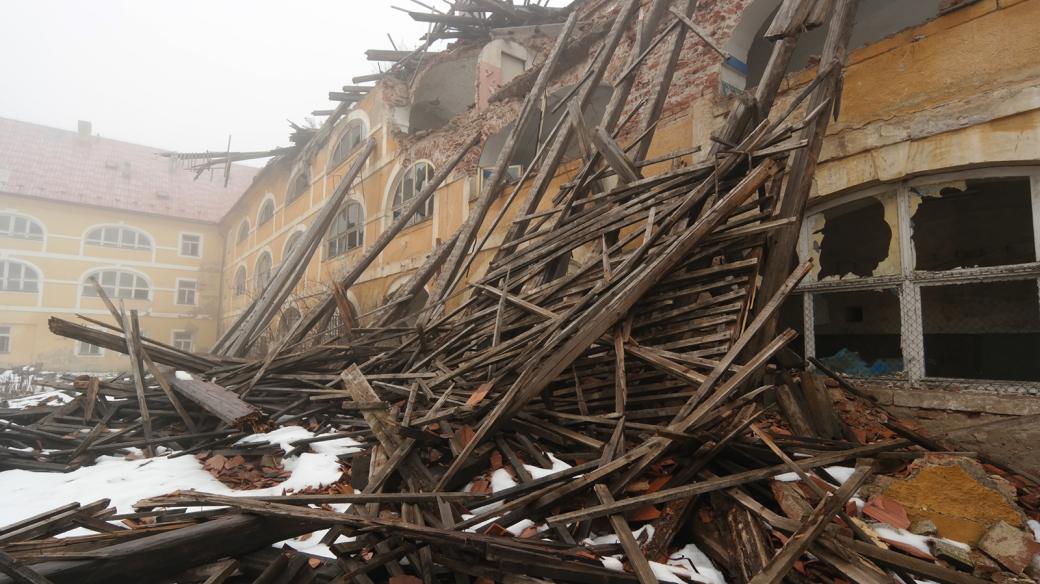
x: 958, y: 91
x: 63, y: 260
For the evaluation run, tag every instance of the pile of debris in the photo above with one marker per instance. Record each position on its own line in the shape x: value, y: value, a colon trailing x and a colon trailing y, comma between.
x: 601, y: 404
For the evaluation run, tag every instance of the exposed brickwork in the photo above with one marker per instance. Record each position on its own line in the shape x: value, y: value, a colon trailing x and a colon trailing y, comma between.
x: 697, y: 76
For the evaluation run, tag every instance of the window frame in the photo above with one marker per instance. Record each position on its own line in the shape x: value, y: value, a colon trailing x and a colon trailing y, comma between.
x: 181, y: 241
x: 338, y: 157
x: 242, y: 233
x: 338, y: 243
x: 240, y: 285
x: 910, y: 281
x: 194, y: 292
x: 87, y: 288
x: 294, y: 237
x: 263, y: 216
x: 26, y: 268
x: 293, y: 192
x: 80, y: 345
x: 30, y: 221
x: 174, y: 340
x: 7, y: 338
x: 397, y: 200
x: 120, y: 243
x: 257, y: 273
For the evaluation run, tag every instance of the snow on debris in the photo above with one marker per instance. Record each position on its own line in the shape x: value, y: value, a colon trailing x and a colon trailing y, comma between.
x: 57, y: 397
x: 125, y: 482
x: 692, y: 558
x: 689, y: 564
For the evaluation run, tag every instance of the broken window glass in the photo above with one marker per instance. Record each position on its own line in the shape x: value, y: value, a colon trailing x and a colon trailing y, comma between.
x: 982, y: 330
x: 856, y: 239
x: 857, y: 332
x: 972, y: 223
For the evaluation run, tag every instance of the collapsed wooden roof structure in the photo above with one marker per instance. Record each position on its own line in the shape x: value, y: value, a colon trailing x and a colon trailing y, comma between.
x: 625, y: 328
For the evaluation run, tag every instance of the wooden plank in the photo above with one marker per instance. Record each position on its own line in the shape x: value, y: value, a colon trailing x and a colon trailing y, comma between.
x: 813, y: 527
x: 635, y: 556
x: 19, y: 572
x: 722, y: 482
x: 220, y: 402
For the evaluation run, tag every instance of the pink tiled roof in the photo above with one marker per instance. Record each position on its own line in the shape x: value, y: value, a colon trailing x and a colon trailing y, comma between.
x: 39, y: 161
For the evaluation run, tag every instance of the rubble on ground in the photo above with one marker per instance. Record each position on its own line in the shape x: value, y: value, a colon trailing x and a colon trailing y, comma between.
x: 602, y: 404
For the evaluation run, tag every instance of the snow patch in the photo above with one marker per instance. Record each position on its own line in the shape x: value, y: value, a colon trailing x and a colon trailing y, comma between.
x: 1034, y: 525
x: 125, y: 482
x: 691, y: 557
x: 39, y: 398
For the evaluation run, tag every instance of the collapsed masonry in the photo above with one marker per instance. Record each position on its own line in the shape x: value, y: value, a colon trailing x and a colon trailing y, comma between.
x: 628, y: 330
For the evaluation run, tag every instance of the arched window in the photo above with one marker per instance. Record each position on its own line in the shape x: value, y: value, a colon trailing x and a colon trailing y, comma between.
x: 334, y: 326
x: 291, y: 243
x: 351, y: 139
x: 347, y: 231
x: 117, y: 284
x: 298, y: 186
x: 20, y: 227
x: 266, y: 212
x: 119, y: 236
x: 263, y: 270
x: 240, y: 281
x: 750, y: 49
x: 18, y: 277
x: 289, y: 319
x: 409, y: 184
x: 243, y: 232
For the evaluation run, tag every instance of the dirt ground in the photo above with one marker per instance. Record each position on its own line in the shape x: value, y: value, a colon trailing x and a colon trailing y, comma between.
x: 1013, y: 440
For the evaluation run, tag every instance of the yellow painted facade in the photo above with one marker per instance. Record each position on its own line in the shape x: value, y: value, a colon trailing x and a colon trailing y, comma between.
x: 63, y: 260
x: 957, y: 91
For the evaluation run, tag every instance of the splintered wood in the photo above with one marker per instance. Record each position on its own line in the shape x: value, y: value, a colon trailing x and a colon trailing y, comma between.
x: 608, y: 370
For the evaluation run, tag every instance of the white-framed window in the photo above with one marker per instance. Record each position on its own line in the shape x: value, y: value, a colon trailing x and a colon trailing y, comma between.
x: 190, y: 245
x: 87, y: 350
x: 347, y: 231
x: 5, y: 339
x: 291, y: 243
x: 187, y: 291
x: 119, y: 236
x: 118, y: 284
x: 409, y: 184
x: 20, y: 227
x: 352, y: 137
x: 240, y: 281
x: 932, y: 280
x: 264, y: 264
x: 183, y: 340
x: 298, y: 186
x: 243, y: 231
x: 16, y: 276
x: 266, y: 212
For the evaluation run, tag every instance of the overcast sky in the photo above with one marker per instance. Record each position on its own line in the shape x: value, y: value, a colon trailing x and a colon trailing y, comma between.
x: 184, y: 74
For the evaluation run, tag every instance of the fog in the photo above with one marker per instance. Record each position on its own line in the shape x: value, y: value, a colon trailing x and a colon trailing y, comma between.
x: 184, y: 75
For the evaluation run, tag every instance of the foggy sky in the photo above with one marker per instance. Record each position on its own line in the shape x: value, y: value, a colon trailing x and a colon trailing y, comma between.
x: 184, y: 74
